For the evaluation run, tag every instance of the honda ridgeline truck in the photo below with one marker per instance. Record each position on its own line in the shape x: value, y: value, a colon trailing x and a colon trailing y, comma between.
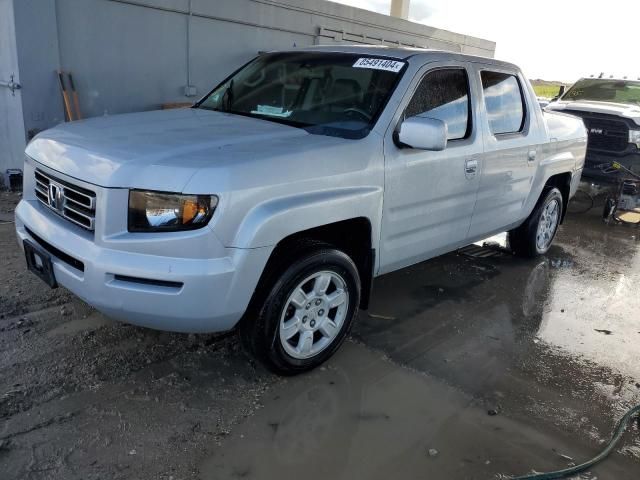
x: 610, y: 109
x: 273, y: 203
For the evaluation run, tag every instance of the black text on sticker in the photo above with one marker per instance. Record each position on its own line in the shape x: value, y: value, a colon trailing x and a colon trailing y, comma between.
x: 379, y: 64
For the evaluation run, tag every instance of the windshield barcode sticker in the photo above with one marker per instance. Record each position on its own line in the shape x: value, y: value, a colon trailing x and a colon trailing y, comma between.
x: 379, y: 64
x: 272, y: 111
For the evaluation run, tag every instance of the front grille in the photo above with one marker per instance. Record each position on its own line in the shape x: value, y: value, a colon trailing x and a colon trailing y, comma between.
x: 76, y: 204
x: 605, y: 133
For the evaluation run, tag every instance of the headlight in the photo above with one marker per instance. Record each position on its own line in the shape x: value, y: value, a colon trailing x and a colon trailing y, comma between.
x: 169, y: 212
x: 634, y: 137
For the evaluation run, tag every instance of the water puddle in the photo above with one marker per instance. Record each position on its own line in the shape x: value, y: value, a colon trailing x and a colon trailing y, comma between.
x: 364, y: 417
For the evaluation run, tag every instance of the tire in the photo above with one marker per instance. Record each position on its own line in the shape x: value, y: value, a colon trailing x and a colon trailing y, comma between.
x: 291, y: 303
x: 531, y: 238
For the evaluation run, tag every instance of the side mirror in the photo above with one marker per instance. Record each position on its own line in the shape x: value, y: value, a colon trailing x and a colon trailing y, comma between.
x: 423, y: 133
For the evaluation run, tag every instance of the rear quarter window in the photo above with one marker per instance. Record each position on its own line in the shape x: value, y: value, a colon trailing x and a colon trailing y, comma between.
x: 504, y: 102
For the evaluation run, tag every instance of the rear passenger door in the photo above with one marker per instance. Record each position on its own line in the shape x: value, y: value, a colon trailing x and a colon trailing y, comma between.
x: 430, y: 195
x: 510, y: 156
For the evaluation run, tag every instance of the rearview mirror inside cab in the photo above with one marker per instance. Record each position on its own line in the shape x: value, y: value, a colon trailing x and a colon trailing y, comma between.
x: 423, y: 133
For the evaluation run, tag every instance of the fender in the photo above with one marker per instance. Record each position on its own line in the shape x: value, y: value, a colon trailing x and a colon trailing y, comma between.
x: 556, y: 164
x: 268, y: 223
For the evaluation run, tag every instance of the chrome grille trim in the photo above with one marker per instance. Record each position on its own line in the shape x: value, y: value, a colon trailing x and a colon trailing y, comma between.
x: 71, y: 202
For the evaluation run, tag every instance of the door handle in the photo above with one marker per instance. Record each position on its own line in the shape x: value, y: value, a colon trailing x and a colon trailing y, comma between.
x: 470, y: 168
x: 532, y: 155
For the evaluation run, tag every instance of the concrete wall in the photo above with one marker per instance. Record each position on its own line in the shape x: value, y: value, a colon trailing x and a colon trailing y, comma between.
x: 131, y: 55
x: 12, y: 134
x: 38, y: 58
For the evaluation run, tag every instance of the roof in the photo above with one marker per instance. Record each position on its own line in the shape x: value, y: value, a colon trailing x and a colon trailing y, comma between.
x: 401, y: 53
x: 628, y: 78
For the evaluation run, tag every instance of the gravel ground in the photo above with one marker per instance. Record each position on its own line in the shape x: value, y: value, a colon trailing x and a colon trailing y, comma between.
x: 82, y: 397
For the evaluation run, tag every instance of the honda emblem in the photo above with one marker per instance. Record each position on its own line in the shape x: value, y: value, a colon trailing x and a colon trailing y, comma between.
x: 56, y: 196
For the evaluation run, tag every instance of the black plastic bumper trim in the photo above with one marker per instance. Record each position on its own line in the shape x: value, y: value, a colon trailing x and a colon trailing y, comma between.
x: 74, y: 262
x: 148, y: 281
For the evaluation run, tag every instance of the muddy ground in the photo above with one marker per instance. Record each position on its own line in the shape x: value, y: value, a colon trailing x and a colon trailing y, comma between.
x: 471, y: 366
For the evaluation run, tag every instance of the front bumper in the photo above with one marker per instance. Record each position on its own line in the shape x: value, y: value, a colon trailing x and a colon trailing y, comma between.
x: 150, y: 290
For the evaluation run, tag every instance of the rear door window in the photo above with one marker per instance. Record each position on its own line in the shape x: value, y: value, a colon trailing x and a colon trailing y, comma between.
x: 504, y: 102
x: 444, y: 95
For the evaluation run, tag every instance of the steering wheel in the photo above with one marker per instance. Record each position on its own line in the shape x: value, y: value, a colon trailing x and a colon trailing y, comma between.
x: 358, y: 111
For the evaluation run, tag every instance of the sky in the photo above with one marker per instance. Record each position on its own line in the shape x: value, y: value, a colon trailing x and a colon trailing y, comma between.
x: 549, y: 39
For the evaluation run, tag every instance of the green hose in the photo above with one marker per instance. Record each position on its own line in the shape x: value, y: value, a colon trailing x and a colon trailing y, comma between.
x: 567, y: 472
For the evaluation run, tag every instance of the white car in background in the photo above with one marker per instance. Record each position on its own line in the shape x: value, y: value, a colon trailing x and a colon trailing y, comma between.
x: 610, y: 109
x: 543, y: 102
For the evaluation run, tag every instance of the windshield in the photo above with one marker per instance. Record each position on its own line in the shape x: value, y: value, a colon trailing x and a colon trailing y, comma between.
x: 325, y: 93
x: 615, y: 91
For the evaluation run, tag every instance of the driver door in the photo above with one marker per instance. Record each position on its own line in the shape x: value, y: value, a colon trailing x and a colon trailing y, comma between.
x: 430, y: 196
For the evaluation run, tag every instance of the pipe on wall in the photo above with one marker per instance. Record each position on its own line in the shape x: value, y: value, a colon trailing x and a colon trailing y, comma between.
x: 189, y: 43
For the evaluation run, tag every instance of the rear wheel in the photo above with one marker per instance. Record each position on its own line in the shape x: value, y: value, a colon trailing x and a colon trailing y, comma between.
x: 535, y: 236
x: 306, y: 313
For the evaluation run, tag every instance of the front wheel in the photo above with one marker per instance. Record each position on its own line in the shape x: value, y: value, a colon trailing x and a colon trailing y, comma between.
x: 535, y: 235
x: 306, y: 313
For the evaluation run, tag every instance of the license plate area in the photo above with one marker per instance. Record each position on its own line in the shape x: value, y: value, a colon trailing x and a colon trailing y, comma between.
x: 39, y: 262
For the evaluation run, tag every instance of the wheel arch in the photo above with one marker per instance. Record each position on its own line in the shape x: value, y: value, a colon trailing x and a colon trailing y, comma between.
x: 353, y: 236
x: 561, y: 181
x: 271, y: 222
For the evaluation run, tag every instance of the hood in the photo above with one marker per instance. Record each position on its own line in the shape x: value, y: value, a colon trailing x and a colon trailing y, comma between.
x: 159, y: 150
x: 618, y: 109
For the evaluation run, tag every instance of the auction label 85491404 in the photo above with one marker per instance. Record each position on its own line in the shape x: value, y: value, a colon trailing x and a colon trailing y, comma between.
x: 379, y: 64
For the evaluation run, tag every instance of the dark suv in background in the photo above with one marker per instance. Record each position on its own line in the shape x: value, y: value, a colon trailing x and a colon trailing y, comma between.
x: 610, y: 109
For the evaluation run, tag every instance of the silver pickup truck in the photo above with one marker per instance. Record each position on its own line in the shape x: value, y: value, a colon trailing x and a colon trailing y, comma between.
x: 273, y: 203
